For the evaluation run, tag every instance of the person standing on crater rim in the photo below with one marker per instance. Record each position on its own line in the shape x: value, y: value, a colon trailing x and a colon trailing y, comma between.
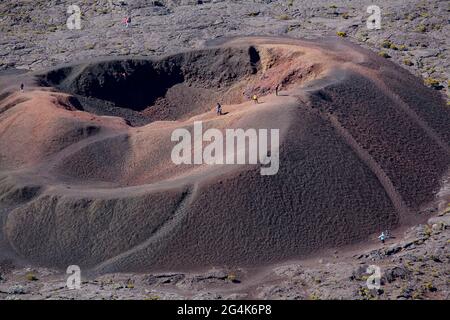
x: 255, y: 98
x: 126, y: 21
x: 382, y: 237
x: 218, y: 109
x: 21, y: 87
x: 277, y: 88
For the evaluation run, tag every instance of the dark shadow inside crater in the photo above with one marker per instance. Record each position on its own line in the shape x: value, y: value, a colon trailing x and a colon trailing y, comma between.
x: 145, y: 90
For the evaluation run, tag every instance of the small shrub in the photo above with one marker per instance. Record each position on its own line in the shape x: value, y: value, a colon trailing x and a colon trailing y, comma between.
x: 333, y: 6
x: 314, y: 296
x: 365, y: 293
x: 284, y: 17
x: 402, y: 47
x: 434, y: 83
x: 407, y: 62
x: 429, y: 286
x: 416, y: 295
x: 427, y: 230
x: 90, y: 46
x: 345, y: 15
x: 341, y: 34
x: 386, y: 44
x: 231, y: 277
x: 436, y: 27
x: 130, y: 284
x: 421, y: 28
x: 393, y: 47
x: 31, y: 276
x: 384, y: 54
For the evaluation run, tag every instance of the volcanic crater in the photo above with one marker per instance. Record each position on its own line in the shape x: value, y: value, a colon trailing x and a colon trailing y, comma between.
x: 86, y: 175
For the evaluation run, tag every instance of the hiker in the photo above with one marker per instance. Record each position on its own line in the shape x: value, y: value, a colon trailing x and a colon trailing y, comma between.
x: 218, y: 109
x: 21, y: 87
x: 126, y: 21
x: 382, y: 237
x: 255, y: 98
x: 276, y: 89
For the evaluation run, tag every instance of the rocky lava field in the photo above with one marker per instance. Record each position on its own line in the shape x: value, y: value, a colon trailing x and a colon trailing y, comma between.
x: 86, y: 176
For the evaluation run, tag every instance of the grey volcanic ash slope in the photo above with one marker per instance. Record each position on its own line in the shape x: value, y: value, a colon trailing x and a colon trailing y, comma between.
x: 364, y: 146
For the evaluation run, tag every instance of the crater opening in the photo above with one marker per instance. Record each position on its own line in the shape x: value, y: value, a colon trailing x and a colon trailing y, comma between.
x: 177, y: 87
x: 145, y: 90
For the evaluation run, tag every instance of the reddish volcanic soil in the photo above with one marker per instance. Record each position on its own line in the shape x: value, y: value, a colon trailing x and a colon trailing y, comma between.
x: 86, y: 176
